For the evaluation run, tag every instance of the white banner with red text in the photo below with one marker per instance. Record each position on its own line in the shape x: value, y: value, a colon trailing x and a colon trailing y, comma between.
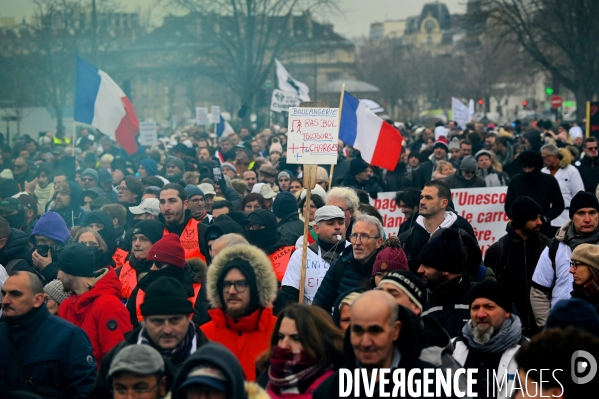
x: 483, y: 208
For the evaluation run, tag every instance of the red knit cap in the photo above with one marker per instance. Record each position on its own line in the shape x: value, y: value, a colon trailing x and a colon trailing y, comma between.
x: 168, y: 250
x: 391, y: 258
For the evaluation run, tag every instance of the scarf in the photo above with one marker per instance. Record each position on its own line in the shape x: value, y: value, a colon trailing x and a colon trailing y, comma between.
x: 509, y: 335
x: 43, y: 195
x: 140, y: 266
x: 572, y: 239
x: 200, y: 218
x: 588, y: 290
x: 337, y: 247
x: 292, y: 369
x: 178, y: 354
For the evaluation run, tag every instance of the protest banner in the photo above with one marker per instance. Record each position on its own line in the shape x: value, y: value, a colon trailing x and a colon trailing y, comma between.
x: 483, y: 208
x: 312, y: 136
x: 215, y: 111
x: 460, y: 112
x: 147, y: 133
x: 202, y: 116
x: 283, y: 100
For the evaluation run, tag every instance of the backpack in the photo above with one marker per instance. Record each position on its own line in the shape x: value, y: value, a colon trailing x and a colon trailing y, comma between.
x: 553, y: 246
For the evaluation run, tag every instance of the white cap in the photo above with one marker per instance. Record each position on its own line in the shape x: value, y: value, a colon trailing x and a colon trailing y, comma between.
x: 264, y: 189
x: 440, y: 131
x: 576, y: 132
x: 207, y: 188
x: 149, y: 205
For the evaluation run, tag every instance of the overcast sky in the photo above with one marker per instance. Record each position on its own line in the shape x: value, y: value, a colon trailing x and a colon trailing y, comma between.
x: 354, y: 20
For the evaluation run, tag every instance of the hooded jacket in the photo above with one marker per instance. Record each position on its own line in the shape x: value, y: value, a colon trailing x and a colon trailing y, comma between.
x: 217, y: 355
x: 54, y: 352
x: 73, y: 215
x: 17, y: 247
x: 291, y: 227
x: 52, y: 226
x: 99, y: 312
x: 107, y: 233
x: 408, y: 346
x: 456, y: 181
x: 220, y: 226
x: 248, y: 336
x: 514, y: 261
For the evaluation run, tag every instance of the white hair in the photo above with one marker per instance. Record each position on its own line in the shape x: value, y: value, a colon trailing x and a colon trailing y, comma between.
x: 371, y: 220
x: 345, y: 193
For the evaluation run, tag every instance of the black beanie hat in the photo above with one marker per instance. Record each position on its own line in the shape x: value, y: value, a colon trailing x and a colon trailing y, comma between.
x: 583, y: 199
x: 524, y: 209
x: 152, y: 229
x: 410, y: 284
x: 530, y: 158
x: 284, y: 204
x: 494, y: 291
x: 248, y: 271
x: 444, y: 252
x: 166, y: 296
x: 357, y: 166
x: 77, y: 260
x: 8, y: 188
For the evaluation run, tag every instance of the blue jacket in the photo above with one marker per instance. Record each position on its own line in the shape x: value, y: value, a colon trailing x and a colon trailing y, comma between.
x: 354, y: 275
x: 55, y: 353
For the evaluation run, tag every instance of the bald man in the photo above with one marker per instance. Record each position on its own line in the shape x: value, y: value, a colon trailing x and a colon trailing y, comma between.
x: 382, y: 335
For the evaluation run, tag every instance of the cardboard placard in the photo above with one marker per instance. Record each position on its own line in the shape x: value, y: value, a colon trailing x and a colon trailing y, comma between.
x: 202, y: 116
x: 313, y: 136
x: 148, y: 135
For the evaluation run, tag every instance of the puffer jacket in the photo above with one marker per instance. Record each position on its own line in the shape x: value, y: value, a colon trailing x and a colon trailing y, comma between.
x: 55, y: 353
x: 99, y: 312
x: 354, y: 275
x: 248, y: 336
x: 17, y: 247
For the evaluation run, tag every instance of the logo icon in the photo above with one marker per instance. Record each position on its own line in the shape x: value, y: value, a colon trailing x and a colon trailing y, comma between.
x: 583, y: 366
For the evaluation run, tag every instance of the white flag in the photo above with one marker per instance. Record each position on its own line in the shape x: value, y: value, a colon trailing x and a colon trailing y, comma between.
x: 287, y: 83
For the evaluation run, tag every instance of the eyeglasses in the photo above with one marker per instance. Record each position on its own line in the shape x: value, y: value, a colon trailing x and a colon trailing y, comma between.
x: 160, y: 265
x: 91, y: 244
x: 87, y: 179
x: 240, y: 286
x: 360, y: 237
x: 196, y: 200
x: 171, y: 166
x: 122, y: 189
x: 575, y: 265
x: 253, y: 226
x: 19, y: 166
x: 62, y: 192
x: 592, y: 148
x: 467, y: 172
x: 344, y: 210
x: 137, y: 390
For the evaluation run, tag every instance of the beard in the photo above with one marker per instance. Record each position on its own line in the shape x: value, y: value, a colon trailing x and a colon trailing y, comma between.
x: 530, y: 232
x: 483, y: 334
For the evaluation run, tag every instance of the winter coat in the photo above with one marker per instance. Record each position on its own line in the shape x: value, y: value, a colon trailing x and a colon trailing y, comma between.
x: 507, y: 362
x: 74, y: 215
x: 541, y: 187
x: 570, y: 183
x: 456, y: 181
x: 514, y: 261
x: 17, y: 247
x: 550, y: 285
x: 449, y: 304
x: 55, y: 353
x: 493, y: 178
x: 370, y: 186
x: 220, y: 226
x: 354, y: 275
x: 218, y: 356
x: 230, y: 194
x: 291, y: 227
x: 397, y: 179
x: 416, y: 237
x: 408, y: 346
x: 248, y: 336
x: 99, y: 312
x: 132, y: 338
x: 107, y: 233
x: 423, y: 175
x: 588, y: 167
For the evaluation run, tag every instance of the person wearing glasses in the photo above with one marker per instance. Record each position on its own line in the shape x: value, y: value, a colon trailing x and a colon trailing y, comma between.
x: 466, y: 177
x: 354, y: 267
x: 95, y: 303
x: 588, y: 165
x: 22, y: 173
x: 92, y: 239
x: 551, y: 281
x: 584, y: 268
x: 241, y: 287
x: 89, y: 179
x: 138, y: 370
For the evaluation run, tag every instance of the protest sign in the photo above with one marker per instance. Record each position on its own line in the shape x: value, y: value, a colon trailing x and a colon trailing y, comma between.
x: 461, y: 113
x: 147, y: 133
x: 215, y: 111
x: 312, y: 136
x: 282, y: 100
x: 483, y: 208
x: 202, y: 116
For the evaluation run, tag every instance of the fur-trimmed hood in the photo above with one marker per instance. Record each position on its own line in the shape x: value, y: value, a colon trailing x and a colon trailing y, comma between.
x: 199, y: 270
x: 266, y: 280
x: 566, y: 158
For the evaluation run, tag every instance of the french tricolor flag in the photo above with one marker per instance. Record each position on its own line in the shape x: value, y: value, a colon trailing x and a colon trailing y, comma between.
x: 378, y: 141
x: 101, y: 103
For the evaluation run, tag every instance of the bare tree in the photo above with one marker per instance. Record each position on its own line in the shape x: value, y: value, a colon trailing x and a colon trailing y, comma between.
x: 560, y: 35
x: 241, y: 38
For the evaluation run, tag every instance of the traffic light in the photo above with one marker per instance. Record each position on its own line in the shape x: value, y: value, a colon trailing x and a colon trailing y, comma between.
x: 524, y: 103
x: 481, y: 101
x: 549, y: 90
x: 568, y: 103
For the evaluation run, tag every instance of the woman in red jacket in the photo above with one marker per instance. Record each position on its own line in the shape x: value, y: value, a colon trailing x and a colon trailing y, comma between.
x: 306, y: 348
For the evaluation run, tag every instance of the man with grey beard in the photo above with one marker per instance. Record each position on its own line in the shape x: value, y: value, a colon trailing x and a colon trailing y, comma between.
x: 489, y: 341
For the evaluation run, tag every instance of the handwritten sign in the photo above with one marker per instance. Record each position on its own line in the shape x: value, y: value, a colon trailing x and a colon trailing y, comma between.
x: 215, y: 111
x: 282, y: 100
x: 312, y: 136
x: 202, y: 116
x: 147, y: 133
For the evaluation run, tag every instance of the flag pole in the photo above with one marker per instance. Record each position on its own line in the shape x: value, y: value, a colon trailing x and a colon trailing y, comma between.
x: 340, y: 109
x: 588, y: 124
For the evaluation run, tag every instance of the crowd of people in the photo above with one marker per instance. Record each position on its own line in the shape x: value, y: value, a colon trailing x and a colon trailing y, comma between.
x: 177, y: 271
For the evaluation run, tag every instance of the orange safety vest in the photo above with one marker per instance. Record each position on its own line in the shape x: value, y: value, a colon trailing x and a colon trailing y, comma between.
x: 128, y: 279
x: 139, y: 299
x: 189, y: 240
x: 280, y: 260
x: 119, y: 257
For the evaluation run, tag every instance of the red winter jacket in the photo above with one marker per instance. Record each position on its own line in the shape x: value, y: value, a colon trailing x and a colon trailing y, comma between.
x: 247, y: 337
x: 100, y: 313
